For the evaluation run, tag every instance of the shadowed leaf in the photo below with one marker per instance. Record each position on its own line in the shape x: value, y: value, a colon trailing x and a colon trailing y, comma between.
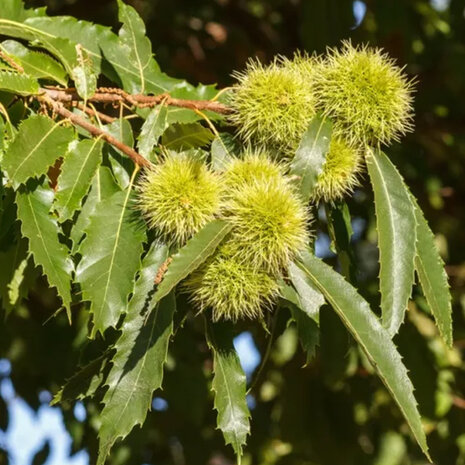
x: 229, y: 386
x: 141, y: 352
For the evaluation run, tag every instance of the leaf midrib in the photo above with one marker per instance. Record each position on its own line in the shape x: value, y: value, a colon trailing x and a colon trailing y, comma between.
x: 144, y: 358
x: 42, y: 140
x: 391, y: 225
x: 44, y: 246
x: 117, y: 238
x: 307, y: 159
x: 193, y: 265
x: 81, y: 169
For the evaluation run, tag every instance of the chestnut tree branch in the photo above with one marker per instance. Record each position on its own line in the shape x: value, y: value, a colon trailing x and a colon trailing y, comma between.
x: 60, y: 109
x: 57, y: 98
x: 114, y: 95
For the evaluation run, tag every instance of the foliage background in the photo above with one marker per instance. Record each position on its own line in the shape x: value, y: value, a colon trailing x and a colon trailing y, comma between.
x: 332, y: 412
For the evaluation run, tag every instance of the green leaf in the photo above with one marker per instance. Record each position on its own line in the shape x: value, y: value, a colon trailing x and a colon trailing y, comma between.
x: 152, y: 129
x: 58, y: 36
x: 111, y: 254
x: 76, y: 175
x: 310, y: 157
x: 229, y: 386
x: 62, y: 49
x: 83, y: 34
x: 84, y: 74
x: 14, y: 287
x: 222, y: 151
x: 311, y: 299
x: 130, y: 53
x: 85, y: 382
x: 432, y: 276
x: 396, y: 226
x: 307, y: 327
x: 21, y: 84
x: 141, y: 352
x: 14, y: 10
x: 14, y: 261
x: 74, y: 43
x: 42, y: 231
x: 39, y: 142
x: 103, y: 187
x: 186, y: 136
x: 122, y: 166
x: 367, y: 330
x: 191, y: 256
x: 36, y: 64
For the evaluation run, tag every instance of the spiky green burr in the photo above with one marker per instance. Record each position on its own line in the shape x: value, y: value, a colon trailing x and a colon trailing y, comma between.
x: 365, y: 94
x: 179, y: 196
x: 253, y: 165
x: 230, y: 288
x: 269, y: 223
x: 341, y: 171
x: 272, y: 105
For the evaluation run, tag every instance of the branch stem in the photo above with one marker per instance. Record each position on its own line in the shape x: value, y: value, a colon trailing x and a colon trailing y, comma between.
x: 59, y: 108
x: 118, y: 96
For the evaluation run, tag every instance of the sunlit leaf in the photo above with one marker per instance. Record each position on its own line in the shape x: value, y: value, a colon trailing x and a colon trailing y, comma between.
x: 130, y: 53
x: 152, y: 129
x: 310, y: 157
x: 35, y: 64
x: 111, y: 253
x: 21, y: 84
x: 396, y: 226
x: 41, y: 229
x: 76, y: 175
x: 103, y: 187
x: 39, y: 142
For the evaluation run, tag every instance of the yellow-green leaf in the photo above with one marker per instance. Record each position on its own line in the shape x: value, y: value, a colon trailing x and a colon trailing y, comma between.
x: 39, y: 142
x: 18, y: 83
x: 76, y: 175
